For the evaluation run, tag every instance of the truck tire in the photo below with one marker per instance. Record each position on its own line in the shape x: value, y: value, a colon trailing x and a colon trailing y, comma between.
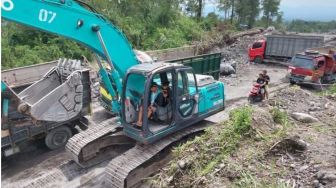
x: 58, y: 137
x: 292, y: 82
x: 258, y: 60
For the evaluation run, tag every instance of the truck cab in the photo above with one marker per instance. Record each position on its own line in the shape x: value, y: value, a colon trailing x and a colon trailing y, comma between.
x: 256, y: 51
x: 191, y: 99
x: 312, y: 66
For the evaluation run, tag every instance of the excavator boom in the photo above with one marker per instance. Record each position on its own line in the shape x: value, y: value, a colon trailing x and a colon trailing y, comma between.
x: 71, y: 19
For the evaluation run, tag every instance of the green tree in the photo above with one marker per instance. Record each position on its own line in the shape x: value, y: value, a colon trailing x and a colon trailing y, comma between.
x: 148, y: 24
x: 270, y: 10
x: 225, y: 6
x: 247, y: 11
x: 311, y: 26
x: 194, y: 8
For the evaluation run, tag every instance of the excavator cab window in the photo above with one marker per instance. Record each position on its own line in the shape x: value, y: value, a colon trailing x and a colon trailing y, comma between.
x: 138, y: 97
x: 135, y: 89
x: 162, y: 116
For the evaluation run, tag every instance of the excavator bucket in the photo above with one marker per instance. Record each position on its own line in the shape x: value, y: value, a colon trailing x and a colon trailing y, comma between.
x: 58, y: 96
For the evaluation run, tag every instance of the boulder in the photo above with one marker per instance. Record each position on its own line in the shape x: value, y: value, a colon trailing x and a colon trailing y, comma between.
x: 227, y: 69
x: 304, y: 118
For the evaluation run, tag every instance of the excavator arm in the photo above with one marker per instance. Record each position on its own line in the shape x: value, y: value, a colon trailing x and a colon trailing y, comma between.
x: 73, y: 19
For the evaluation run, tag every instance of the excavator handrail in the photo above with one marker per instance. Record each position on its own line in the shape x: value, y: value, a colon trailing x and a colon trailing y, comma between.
x: 70, y: 19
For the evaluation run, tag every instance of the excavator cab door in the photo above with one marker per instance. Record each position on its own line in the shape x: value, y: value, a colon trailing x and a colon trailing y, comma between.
x: 187, y: 95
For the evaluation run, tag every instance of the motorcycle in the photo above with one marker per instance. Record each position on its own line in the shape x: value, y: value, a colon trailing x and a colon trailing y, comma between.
x: 256, y: 94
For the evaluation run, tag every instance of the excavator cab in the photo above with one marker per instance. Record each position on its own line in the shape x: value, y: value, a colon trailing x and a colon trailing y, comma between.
x: 179, y: 110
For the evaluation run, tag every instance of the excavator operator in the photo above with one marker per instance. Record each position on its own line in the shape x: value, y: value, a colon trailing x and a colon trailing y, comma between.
x: 151, y: 107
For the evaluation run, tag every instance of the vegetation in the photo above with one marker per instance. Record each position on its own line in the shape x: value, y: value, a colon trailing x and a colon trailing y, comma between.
x: 21, y: 46
x: 213, y: 146
x: 279, y: 116
x: 332, y: 90
x: 311, y: 26
x: 226, y: 152
x: 149, y: 25
x: 329, y: 91
x: 245, y: 13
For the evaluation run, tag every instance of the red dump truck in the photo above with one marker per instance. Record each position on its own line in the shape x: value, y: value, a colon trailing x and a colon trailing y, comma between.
x: 317, y: 65
x: 280, y: 48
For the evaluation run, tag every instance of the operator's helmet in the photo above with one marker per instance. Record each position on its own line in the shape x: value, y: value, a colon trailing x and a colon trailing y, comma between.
x: 143, y: 57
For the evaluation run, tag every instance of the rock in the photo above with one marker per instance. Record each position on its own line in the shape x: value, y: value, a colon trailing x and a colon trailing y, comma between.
x: 301, y: 144
x: 303, y: 168
x: 316, y: 166
x: 304, y: 118
x: 320, y: 175
x: 326, y: 177
x: 292, y: 165
x: 327, y: 105
x: 227, y: 69
x: 311, y: 103
x: 330, y: 176
x: 311, y: 112
x: 316, y: 183
x: 182, y: 164
x: 320, y: 185
x: 170, y: 179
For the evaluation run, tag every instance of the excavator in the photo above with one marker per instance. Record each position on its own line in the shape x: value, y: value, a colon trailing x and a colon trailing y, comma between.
x: 129, y: 87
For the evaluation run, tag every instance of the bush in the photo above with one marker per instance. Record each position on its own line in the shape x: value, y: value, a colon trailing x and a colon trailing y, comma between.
x: 241, y: 119
x: 279, y: 116
x: 213, y: 146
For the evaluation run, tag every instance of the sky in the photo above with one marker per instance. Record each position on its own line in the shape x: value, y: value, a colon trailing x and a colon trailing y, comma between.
x: 320, y: 10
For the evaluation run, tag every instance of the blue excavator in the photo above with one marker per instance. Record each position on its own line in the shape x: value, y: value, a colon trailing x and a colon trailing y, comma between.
x: 130, y: 86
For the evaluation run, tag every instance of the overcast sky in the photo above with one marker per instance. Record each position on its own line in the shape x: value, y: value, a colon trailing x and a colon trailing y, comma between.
x: 321, y: 10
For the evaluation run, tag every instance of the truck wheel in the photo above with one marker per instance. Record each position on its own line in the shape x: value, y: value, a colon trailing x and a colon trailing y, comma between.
x: 250, y: 99
x: 292, y: 82
x: 58, y: 137
x: 258, y: 60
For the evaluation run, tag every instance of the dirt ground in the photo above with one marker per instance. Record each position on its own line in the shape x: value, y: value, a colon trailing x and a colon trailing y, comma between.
x: 298, y: 154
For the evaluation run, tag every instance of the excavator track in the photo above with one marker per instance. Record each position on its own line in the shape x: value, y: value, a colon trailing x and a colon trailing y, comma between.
x: 87, y: 148
x: 128, y: 169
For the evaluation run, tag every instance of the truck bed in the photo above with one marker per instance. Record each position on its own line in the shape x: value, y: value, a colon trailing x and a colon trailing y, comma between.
x: 286, y: 46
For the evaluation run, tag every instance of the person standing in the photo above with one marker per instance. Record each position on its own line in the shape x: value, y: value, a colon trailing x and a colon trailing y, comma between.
x: 267, y: 80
